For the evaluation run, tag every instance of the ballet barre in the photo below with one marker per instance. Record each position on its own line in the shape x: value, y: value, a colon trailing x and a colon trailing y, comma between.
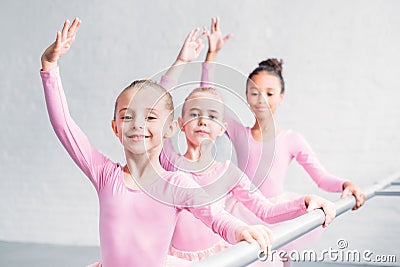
x: 243, y: 253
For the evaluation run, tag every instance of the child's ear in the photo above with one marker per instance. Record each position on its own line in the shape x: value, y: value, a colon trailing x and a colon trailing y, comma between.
x: 180, y: 123
x: 224, y: 126
x: 282, y: 96
x: 171, y: 129
x: 114, y: 127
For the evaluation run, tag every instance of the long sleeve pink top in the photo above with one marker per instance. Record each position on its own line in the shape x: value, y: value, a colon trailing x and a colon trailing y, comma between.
x: 189, y: 234
x: 254, y: 157
x: 135, y: 229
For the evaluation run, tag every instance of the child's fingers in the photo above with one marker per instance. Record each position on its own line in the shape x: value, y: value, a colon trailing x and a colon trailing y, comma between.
x: 199, y: 48
x: 206, y: 30
x: 212, y: 25
x: 189, y: 37
x: 246, y: 236
x: 258, y: 233
x: 201, y: 37
x: 195, y: 32
x: 64, y: 30
x: 363, y: 198
x: 346, y: 192
x: 360, y: 199
x: 227, y: 37
x: 58, y: 41
x: 268, y: 238
x: 74, y: 27
x: 312, y: 205
x: 217, y: 24
x: 330, y: 213
x: 328, y: 218
x: 259, y: 237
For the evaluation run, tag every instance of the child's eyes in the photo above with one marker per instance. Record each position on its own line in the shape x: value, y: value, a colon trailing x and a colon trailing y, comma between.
x: 196, y: 115
x: 256, y: 94
x: 126, y: 117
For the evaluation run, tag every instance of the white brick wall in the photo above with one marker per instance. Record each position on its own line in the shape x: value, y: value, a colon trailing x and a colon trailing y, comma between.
x: 341, y: 69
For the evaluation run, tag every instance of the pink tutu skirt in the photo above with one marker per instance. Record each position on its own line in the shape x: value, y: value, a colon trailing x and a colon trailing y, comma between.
x: 200, y: 254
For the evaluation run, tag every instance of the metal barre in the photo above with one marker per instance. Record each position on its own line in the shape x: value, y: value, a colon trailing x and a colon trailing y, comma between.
x: 244, y: 253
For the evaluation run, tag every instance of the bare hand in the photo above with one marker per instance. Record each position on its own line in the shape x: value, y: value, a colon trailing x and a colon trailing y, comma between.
x: 351, y: 189
x: 61, y: 45
x: 314, y: 202
x: 259, y: 233
x: 192, y: 46
x: 215, y: 39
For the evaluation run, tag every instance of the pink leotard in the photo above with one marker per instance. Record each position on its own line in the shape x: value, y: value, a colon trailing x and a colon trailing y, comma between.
x: 135, y: 229
x: 190, y: 235
x: 268, y: 170
x: 288, y: 145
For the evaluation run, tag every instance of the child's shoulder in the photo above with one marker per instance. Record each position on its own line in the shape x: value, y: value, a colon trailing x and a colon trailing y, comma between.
x: 292, y: 139
x: 289, y: 134
x: 110, y: 168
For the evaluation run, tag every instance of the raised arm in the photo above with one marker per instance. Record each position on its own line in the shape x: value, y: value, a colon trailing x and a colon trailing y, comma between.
x: 215, y: 44
x: 72, y: 138
x: 215, y: 40
x: 169, y: 157
x: 61, y: 45
x: 190, y: 50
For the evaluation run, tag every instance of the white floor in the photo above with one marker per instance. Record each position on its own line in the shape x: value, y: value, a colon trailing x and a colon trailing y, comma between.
x: 14, y: 254
x: 38, y: 255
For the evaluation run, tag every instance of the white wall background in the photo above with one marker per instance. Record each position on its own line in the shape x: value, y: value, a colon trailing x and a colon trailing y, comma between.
x: 343, y: 88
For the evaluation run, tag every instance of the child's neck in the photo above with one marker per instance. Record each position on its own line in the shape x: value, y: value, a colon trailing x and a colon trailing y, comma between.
x: 145, y: 168
x: 265, y: 123
x: 200, y: 157
x: 264, y: 129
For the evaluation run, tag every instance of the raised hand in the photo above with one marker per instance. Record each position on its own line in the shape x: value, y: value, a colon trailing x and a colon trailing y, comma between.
x: 191, y: 47
x: 215, y: 39
x: 61, y: 45
x: 314, y: 202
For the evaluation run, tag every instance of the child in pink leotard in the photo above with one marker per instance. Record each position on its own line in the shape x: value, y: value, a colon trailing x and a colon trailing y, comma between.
x: 202, y: 121
x: 135, y: 226
x: 265, y: 90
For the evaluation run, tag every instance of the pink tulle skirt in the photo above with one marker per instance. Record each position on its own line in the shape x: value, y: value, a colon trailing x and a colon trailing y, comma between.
x: 200, y: 254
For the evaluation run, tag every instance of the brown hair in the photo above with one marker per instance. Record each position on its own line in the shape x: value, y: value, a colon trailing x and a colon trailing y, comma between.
x: 144, y: 84
x: 272, y: 66
x: 208, y: 90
